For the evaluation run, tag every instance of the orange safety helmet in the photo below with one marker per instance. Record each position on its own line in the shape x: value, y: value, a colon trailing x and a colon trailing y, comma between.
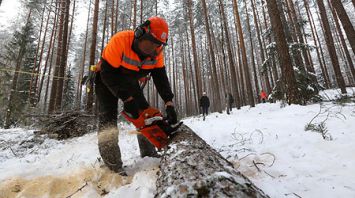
x: 156, y: 28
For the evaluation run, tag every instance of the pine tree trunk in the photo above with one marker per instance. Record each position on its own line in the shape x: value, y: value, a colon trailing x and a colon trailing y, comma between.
x: 117, y: 14
x: 290, y: 34
x: 194, y: 50
x: 49, y: 52
x: 244, y: 56
x: 190, y: 108
x: 71, y: 26
x: 173, y: 68
x: 290, y: 29
x: 225, y: 76
x: 90, y: 99
x: 36, y: 69
x: 39, y: 86
x: 134, y: 13
x: 203, y: 69
x: 330, y: 45
x: 331, y: 72
x: 82, y: 66
x: 176, y: 74
x: 345, y: 21
x: 342, y: 39
x: 216, y: 85
x: 50, y: 56
x: 304, y: 35
x: 184, y: 76
x: 156, y: 7
x: 104, y: 28
x: 338, y: 46
x: 63, y: 60
x: 273, y: 69
x: 284, y: 56
x: 256, y: 82
x: 319, y: 48
x: 55, y: 81
x: 182, y: 175
x: 300, y: 36
x: 262, y: 50
x: 113, y: 25
x: 141, y: 12
x: 190, y: 70
x: 241, y: 76
x: 215, y: 104
x: 232, y: 66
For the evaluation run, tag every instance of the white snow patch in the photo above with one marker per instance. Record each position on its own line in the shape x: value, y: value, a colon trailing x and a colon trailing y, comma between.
x: 291, y: 161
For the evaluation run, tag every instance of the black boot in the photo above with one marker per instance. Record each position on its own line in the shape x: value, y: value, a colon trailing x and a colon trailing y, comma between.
x: 109, y: 149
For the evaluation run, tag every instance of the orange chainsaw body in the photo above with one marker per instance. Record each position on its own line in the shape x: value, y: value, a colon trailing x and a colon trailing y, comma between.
x: 146, y: 124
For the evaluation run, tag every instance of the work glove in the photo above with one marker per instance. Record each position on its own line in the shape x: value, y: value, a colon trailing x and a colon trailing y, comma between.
x: 171, y: 114
x: 131, y: 109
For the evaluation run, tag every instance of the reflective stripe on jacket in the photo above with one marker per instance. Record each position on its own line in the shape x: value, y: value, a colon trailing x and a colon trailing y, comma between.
x: 118, y: 52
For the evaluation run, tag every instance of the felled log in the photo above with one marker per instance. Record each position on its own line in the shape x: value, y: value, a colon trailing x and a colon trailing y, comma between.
x: 67, y: 125
x: 191, y: 168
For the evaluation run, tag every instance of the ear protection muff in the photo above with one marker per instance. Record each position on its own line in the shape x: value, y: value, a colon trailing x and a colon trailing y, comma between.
x: 140, y: 30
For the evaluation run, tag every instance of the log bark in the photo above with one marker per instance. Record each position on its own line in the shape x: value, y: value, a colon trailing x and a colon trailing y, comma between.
x: 191, y: 168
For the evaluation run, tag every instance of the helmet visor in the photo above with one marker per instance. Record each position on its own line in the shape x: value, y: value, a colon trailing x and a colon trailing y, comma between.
x: 150, y: 37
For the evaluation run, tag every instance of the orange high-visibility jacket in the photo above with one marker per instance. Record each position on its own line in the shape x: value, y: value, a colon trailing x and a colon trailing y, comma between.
x: 118, y: 52
x: 263, y: 95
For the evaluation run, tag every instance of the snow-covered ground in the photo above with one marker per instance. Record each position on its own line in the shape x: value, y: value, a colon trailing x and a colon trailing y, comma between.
x: 267, y: 143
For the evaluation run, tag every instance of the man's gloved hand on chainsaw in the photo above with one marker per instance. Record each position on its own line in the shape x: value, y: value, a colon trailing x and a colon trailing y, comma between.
x: 171, y: 113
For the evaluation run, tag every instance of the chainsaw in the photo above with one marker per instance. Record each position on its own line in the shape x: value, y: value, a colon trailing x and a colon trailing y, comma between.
x: 152, y: 125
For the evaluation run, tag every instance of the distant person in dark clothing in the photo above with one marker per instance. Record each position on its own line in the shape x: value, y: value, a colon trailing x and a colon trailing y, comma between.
x: 229, y: 102
x: 204, y: 104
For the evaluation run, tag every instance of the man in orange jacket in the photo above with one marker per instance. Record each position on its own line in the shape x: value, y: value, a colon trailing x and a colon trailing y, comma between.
x: 129, y: 56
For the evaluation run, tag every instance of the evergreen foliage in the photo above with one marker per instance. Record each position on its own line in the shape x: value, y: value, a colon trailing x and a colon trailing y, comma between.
x: 20, y: 50
x: 69, y: 92
x: 306, y: 81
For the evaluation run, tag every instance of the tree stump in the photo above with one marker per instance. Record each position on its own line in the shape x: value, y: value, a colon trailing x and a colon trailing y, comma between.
x: 192, y: 168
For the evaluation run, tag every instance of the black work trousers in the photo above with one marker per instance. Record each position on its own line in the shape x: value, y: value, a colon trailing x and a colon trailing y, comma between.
x: 108, y: 111
x: 204, y: 110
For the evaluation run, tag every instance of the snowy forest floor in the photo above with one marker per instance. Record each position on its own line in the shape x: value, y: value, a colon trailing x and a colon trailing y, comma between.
x: 268, y: 144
